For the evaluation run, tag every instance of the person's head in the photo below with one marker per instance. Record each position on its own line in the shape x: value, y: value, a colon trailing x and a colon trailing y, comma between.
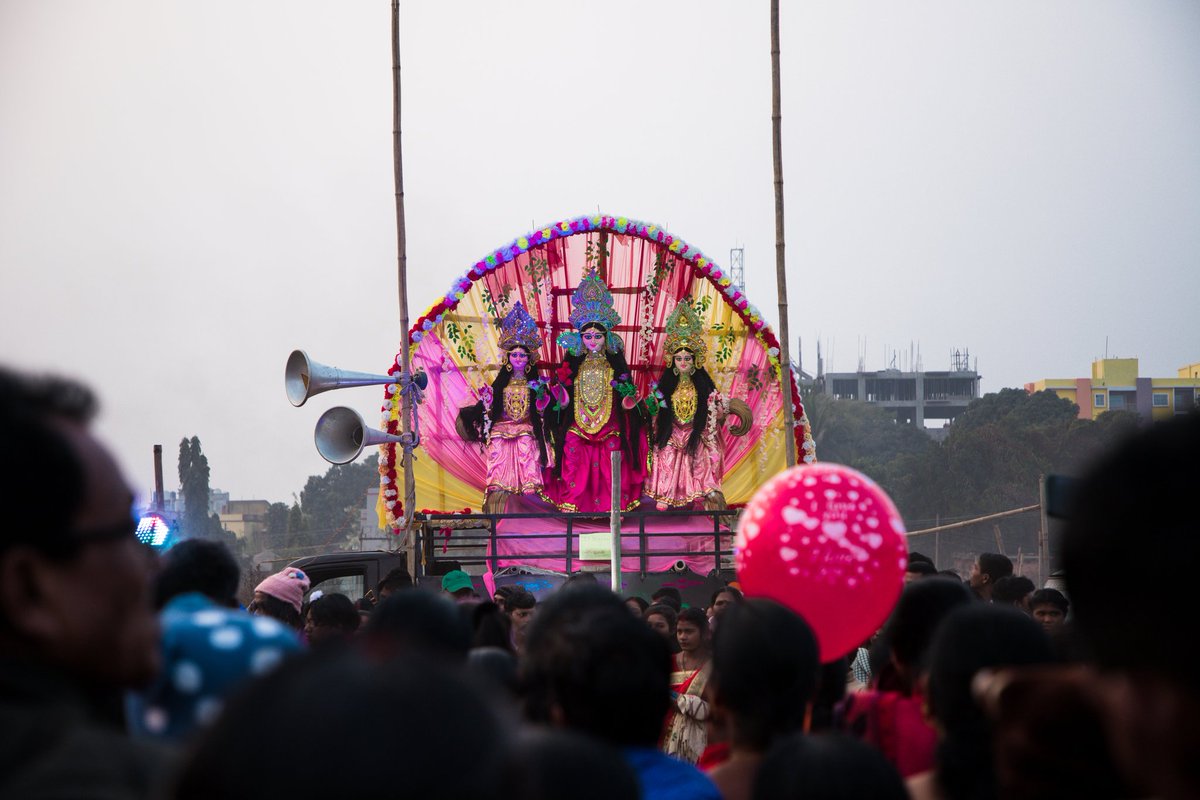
x: 75, y: 584
x: 500, y: 598
x: 684, y: 361
x: 449, y: 742
x: 662, y: 620
x: 915, y: 570
x: 594, y: 337
x: 1013, y: 591
x: 561, y: 765
x: 458, y: 585
x: 917, y: 556
x: 826, y: 767
x: 520, y: 607
x: 691, y: 630
x: 721, y: 600
x: 1049, y: 607
x: 921, y: 608
x: 418, y: 623
x: 331, y: 617
x: 518, y: 360
x: 764, y: 672
x: 637, y: 605
x: 987, y: 569
x: 490, y: 626
x: 951, y: 574
x: 1131, y: 525
x: 198, y: 565
x: 668, y: 596
x: 281, y: 596
x: 396, y: 580
x: 970, y: 639
x: 590, y: 666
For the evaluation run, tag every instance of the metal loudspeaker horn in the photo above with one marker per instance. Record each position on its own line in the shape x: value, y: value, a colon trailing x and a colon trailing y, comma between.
x: 303, y: 377
x: 341, y: 435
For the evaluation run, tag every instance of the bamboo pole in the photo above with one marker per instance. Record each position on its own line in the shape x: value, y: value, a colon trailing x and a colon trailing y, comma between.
x: 785, y: 360
x: 406, y: 408
x: 975, y: 521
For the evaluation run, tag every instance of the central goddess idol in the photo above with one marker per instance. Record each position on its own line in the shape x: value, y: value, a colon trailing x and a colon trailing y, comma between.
x: 596, y: 418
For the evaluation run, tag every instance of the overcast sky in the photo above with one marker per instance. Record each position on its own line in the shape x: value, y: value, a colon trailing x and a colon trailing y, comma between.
x: 188, y: 191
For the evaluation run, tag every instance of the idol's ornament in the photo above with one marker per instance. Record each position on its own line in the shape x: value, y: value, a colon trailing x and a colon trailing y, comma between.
x: 688, y: 458
x: 597, y: 417
x: 507, y: 420
x: 827, y: 542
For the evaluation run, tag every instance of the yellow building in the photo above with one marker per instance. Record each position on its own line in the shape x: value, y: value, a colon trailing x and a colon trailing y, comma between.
x: 1116, y: 386
x: 245, y: 518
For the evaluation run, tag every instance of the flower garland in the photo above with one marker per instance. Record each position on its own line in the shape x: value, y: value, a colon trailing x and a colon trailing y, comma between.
x: 718, y: 407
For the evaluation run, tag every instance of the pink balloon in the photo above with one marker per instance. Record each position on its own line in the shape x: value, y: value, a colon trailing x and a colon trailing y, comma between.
x: 828, y: 543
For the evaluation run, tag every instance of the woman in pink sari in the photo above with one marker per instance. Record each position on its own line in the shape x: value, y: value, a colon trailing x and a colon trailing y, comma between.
x: 596, y: 419
x: 507, y: 421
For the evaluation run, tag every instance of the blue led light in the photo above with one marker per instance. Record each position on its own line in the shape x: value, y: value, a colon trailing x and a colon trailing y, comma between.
x: 153, y: 530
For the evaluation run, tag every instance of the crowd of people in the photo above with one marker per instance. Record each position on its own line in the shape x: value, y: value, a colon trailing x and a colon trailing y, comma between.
x: 125, y: 674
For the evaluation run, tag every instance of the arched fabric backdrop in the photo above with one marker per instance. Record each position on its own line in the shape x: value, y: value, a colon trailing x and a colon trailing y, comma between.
x: 649, y: 272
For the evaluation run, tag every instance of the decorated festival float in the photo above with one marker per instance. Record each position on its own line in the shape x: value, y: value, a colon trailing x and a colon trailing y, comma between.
x: 591, y: 336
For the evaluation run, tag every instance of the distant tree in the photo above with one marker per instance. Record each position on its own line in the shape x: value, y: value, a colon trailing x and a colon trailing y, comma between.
x: 193, y: 481
x: 330, y: 503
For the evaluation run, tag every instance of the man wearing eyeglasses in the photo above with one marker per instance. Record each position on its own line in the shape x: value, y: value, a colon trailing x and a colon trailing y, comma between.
x: 77, y: 625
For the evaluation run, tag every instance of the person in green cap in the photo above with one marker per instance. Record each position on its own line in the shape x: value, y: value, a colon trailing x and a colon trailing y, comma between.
x: 457, y: 584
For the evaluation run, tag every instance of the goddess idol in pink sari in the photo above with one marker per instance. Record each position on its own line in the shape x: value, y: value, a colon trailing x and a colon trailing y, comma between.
x: 507, y: 420
x: 596, y: 418
x: 687, y: 452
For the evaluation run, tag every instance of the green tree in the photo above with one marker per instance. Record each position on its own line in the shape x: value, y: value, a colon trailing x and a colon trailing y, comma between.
x: 329, y: 504
x: 193, y: 481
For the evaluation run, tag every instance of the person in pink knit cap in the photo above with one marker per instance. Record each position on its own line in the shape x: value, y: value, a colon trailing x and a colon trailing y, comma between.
x: 281, y: 596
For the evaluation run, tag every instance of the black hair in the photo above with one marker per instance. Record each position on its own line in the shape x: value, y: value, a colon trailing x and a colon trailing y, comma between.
x: 396, y: 579
x: 471, y: 417
x: 420, y: 622
x: 271, y: 606
x: 198, y: 565
x: 1130, y: 525
x: 665, y: 611
x: 950, y: 573
x: 451, y: 743
x: 923, y: 568
x: 548, y: 765
x: 1049, y: 597
x: 44, y: 488
x: 696, y: 616
x: 665, y: 420
x: 495, y: 668
x: 732, y: 591
x: 668, y: 596
x: 490, y: 626
x: 826, y: 767
x: 995, y: 566
x: 335, y: 611
x: 972, y: 638
x: 765, y: 671
x: 629, y: 423
x: 1011, y: 590
x: 521, y: 599
x: 580, y: 579
x: 831, y: 691
x: 640, y: 602
x: 606, y: 673
x: 921, y: 608
x: 915, y: 556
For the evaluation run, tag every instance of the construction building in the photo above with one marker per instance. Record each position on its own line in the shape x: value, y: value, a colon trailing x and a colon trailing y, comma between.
x: 1115, y: 385
x: 913, y: 397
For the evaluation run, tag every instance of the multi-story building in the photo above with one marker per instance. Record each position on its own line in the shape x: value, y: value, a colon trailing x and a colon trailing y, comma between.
x: 245, y: 518
x: 912, y: 396
x: 1115, y: 385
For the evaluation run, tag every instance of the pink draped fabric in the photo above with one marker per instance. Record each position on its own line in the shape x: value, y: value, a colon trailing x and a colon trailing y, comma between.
x: 543, y: 279
x: 678, y: 478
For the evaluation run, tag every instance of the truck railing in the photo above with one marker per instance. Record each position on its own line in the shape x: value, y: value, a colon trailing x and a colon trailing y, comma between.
x: 431, y: 537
